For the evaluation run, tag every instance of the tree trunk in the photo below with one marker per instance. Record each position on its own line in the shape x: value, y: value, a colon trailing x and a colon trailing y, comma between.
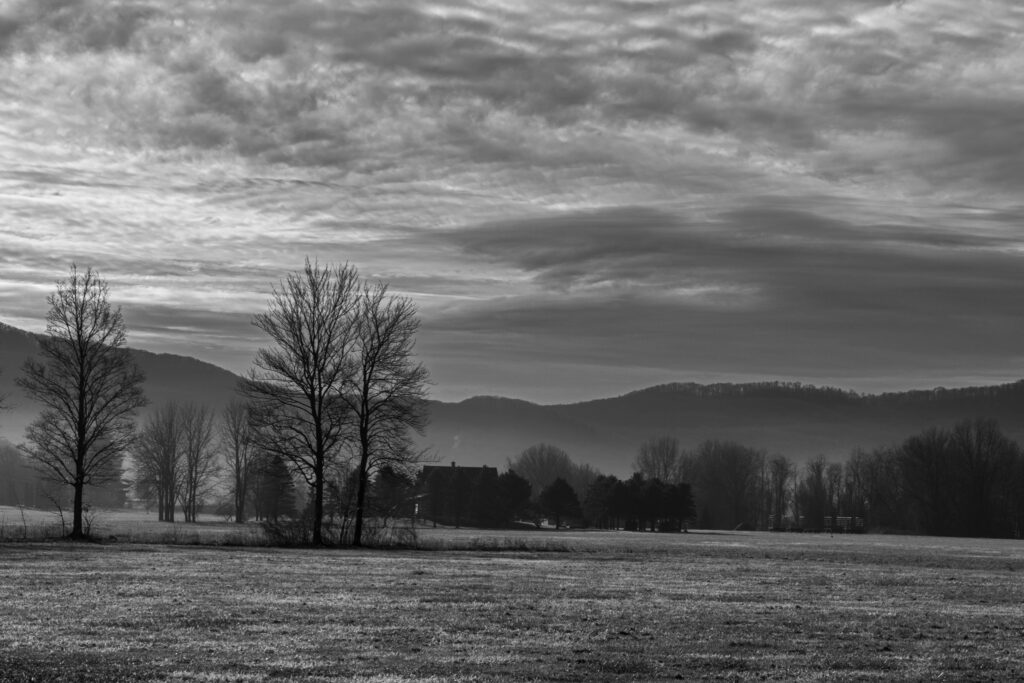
x: 318, y: 501
x: 76, y: 526
x: 357, y: 536
x: 239, y: 500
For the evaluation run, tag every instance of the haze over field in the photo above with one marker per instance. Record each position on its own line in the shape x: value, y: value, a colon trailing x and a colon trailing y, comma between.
x: 800, y: 422
x: 583, y: 199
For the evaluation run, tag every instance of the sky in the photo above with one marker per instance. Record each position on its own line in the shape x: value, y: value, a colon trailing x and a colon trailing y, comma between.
x: 582, y: 198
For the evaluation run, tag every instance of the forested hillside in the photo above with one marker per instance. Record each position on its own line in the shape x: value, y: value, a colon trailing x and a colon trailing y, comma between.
x: 800, y: 422
x: 797, y: 421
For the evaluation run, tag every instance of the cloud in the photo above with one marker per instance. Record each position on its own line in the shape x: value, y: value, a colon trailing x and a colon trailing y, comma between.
x: 571, y: 171
x: 751, y: 290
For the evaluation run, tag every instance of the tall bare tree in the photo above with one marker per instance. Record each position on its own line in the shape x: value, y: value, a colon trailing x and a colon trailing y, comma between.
x: 158, y: 459
x: 780, y: 474
x: 387, y: 390
x: 296, y: 386
x: 239, y: 449
x: 659, y: 458
x: 89, y: 388
x: 728, y: 481
x: 198, y: 440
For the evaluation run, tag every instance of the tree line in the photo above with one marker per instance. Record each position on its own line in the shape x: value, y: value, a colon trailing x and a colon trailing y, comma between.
x: 964, y: 480
x: 332, y: 398
x: 331, y: 403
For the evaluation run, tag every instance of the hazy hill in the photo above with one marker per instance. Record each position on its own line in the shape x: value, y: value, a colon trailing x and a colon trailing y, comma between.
x: 168, y: 377
x: 795, y: 420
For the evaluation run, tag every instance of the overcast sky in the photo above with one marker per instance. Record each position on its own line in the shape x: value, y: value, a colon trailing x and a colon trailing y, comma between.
x: 583, y: 198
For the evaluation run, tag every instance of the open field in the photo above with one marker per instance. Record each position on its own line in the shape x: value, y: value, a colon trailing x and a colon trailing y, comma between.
x: 618, y: 606
x: 126, y: 526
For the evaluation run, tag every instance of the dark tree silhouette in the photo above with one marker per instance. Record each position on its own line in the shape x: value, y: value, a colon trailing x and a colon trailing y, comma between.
x: 386, y: 391
x: 985, y: 460
x: 659, y: 458
x: 559, y: 500
x: 512, y: 497
x: 296, y: 388
x: 236, y: 436
x: 542, y: 463
x: 89, y: 388
x: 812, y: 494
x: 392, y: 494
x: 780, y: 474
x: 599, y: 503
x: 158, y: 457
x: 928, y: 472
x: 199, y: 458
x: 727, y: 482
x: 274, y: 490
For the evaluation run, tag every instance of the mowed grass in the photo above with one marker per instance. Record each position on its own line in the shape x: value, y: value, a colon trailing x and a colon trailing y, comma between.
x: 565, y: 606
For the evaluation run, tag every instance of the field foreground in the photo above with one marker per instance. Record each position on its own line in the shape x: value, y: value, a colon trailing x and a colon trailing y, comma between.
x: 617, y: 606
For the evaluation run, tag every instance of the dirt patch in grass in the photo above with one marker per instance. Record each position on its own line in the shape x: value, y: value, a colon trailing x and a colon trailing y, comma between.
x: 621, y: 607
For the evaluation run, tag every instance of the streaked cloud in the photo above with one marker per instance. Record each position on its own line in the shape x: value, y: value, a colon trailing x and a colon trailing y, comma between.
x: 581, y: 197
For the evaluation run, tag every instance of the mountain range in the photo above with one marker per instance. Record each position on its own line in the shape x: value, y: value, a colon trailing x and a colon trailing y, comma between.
x: 799, y: 421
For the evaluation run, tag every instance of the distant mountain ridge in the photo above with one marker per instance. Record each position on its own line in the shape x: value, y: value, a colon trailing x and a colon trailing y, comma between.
x: 796, y: 420
x: 788, y: 418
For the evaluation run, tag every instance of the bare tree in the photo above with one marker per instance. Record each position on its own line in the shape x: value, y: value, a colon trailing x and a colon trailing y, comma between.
x: 199, y: 458
x: 387, y: 392
x: 985, y: 460
x: 296, y: 387
x: 780, y: 473
x: 659, y: 458
x: 236, y: 437
x: 540, y: 464
x: 158, y: 460
x: 728, y: 484
x: 89, y: 388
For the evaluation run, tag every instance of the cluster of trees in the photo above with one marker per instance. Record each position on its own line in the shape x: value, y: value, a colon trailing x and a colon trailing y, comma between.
x: 472, y: 496
x: 639, y: 504
x: 542, y: 463
x: 966, y: 480
x: 332, y: 399
x: 339, y: 385
x: 543, y: 483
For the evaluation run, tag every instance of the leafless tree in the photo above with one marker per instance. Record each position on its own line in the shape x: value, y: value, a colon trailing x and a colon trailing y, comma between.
x: 985, y: 460
x: 540, y: 464
x: 659, y: 458
x: 199, y: 458
x: 728, y: 484
x: 780, y: 474
x: 158, y: 459
x: 386, y: 393
x: 296, y: 386
x: 89, y: 388
x: 239, y: 449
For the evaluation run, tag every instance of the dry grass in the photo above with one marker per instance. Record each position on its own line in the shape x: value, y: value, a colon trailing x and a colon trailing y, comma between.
x: 578, y: 606
x: 126, y: 526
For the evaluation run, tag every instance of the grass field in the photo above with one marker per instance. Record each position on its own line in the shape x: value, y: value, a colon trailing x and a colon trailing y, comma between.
x: 567, y: 606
